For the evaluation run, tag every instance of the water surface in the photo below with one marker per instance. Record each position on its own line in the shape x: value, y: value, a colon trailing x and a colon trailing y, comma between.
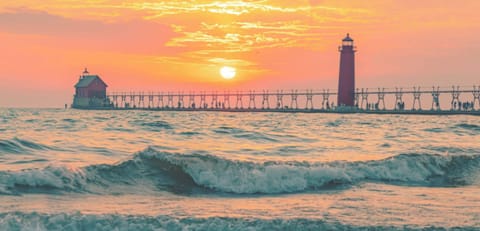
x: 140, y: 170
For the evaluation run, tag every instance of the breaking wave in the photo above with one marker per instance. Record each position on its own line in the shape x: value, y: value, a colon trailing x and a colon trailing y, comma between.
x: 78, y: 221
x: 180, y: 173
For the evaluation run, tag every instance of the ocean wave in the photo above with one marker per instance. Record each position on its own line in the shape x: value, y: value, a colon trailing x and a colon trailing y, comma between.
x: 155, y: 126
x: 286, y: 177
x: 69, y: 120
x: 244, y: 134
x: 467, y: 126
x: 189, y: 133
x: 78, y: 221
x: 181, y: 173
x: 42, y: 180
x: 20, y: 146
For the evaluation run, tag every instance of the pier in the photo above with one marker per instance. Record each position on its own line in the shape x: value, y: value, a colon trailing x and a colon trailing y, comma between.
x: 456, y: 100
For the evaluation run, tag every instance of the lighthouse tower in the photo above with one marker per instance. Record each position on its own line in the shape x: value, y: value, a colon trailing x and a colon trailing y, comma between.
x: 346, y: 78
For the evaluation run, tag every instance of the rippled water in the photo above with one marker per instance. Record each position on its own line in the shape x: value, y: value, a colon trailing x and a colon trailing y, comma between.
x: 139, y: 170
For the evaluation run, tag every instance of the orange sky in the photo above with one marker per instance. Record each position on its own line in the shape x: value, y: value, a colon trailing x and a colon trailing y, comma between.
x: 171, y: 45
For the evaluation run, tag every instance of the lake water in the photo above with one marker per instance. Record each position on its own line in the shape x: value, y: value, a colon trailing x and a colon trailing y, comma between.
x: 140, y: 170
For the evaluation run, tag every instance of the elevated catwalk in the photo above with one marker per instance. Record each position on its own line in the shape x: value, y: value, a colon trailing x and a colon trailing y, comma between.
x: 374, y: 101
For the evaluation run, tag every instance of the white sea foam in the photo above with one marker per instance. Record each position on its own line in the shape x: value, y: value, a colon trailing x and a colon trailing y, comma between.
x: 50, y: 177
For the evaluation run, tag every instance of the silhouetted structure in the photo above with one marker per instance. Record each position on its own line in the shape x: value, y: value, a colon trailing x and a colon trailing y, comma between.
x: 346, y: 78
x: 90, y: 91
x: 365, y: 101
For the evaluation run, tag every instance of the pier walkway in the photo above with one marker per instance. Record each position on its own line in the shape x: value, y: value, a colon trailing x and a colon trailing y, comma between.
x: 456, y: 100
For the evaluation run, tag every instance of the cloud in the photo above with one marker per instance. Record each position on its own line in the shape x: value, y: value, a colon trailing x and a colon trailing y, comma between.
x: 137, y: 36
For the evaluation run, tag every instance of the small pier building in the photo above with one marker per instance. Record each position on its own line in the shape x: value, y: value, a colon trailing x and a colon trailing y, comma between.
x: 90, y: 92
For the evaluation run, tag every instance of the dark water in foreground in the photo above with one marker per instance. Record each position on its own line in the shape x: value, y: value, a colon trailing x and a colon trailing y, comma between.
x: 135, y: 170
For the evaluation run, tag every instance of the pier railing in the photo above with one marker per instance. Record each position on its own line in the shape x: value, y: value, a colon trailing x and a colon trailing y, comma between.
x: 453, y: 98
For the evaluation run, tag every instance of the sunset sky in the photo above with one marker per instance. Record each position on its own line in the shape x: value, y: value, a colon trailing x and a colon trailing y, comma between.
x: 181, y: 45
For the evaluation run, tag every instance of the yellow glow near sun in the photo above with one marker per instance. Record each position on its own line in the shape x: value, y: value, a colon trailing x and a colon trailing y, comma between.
x: 228, y: 72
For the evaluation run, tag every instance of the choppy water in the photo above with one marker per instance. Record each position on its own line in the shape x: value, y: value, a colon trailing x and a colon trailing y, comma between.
x: 137, y: 170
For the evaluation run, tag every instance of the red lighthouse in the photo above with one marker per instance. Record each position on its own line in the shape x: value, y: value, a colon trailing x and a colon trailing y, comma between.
x: 346, y: 78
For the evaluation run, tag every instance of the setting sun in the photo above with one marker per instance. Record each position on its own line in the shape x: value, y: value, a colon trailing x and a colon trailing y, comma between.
x: 228, y: 72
